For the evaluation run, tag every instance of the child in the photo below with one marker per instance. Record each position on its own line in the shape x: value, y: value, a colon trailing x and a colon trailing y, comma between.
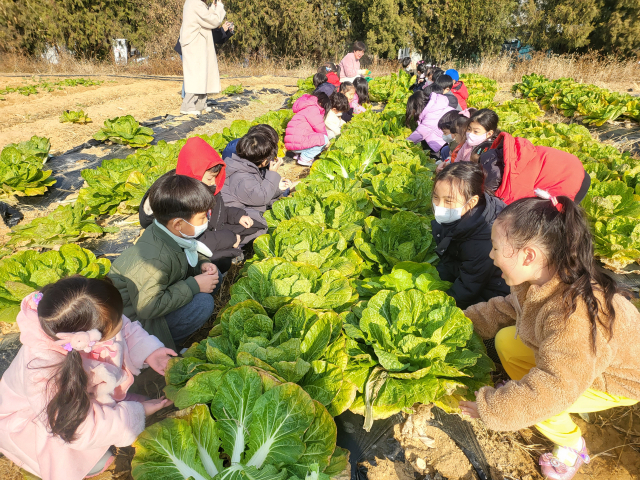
x: 349, y: 91
x: 362, y: 95
x: 253, y: 182
x: 406, y: 65
x: 228, y: 226
x: 322, y: 84
x: 333, y: 120
x: 464, y: 214
x: 432, y: 73
x: 459, y: 89
x: 166, y: 278
x: 458, y: 132
x: 565, y: 335
x: 427, y: 111
x: 515, y: 167
x: 330, y: 70
x: 350, y: 64
x: 306, y: 132
x: 444, y: 83
x: 64, y: 397
x: 421, y: 76
x: 482, y: 129
x: 445, y: 124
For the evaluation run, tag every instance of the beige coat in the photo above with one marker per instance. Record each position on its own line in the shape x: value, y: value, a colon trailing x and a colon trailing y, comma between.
x: 199, y: 62
x: 334, y: 124
x: 566, y: 365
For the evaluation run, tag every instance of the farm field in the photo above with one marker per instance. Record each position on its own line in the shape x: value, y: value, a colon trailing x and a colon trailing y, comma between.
x: 335, y: 227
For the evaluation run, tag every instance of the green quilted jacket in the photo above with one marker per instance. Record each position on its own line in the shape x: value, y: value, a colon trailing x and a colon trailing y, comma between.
x: 154, y: 279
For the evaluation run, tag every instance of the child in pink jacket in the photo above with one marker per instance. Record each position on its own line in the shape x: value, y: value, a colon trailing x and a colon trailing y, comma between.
x: 63, y: 399
x: 306, y: 132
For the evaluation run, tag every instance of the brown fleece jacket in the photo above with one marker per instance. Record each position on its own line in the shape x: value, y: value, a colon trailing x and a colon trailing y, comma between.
x: 566, y: 365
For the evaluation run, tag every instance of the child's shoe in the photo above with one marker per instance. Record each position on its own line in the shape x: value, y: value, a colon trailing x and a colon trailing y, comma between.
x: 305, y: 162
x: 553, y: 466
x: 296, y: 157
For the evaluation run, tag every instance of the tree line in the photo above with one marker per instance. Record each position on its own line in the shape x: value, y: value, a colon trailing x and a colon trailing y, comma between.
x: 323, y: 29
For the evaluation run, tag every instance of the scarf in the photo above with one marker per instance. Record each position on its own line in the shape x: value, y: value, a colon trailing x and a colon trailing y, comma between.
x: 190, y: 246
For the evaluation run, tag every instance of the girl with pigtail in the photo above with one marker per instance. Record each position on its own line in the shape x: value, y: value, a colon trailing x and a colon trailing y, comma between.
x: 64, y: 400
x: 566, y: 334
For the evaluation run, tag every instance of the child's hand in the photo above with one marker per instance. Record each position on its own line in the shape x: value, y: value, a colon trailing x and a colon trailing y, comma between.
x: 284, y: 184
x: 246, y: 221
x: 441, y: 166
x: 209, y: 268
x: 276, y: 164
x: 207, y: 281
x: 152, y: 406
x: 470, y: 409
x: 159, y: 358
x: 235, y: 245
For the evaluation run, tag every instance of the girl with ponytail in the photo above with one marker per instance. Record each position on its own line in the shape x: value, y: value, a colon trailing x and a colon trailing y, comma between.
x: 64, y: 400
x: 566, y: 335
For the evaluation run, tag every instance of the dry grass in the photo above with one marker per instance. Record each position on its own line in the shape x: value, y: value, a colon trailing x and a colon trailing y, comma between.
x: 11, y: 63
x: 589, y: 68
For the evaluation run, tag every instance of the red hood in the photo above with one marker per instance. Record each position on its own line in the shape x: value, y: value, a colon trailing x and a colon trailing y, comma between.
x: 519, y: 155
x: 460, y: 89
x: 196, y: 157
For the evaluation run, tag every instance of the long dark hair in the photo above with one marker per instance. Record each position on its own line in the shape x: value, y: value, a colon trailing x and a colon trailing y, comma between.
x: 362, y: 89
x: 324, y: 102
x: 75, y: 304
x: 567, y: 241
x: 466, y: 177
x: 415, y: 106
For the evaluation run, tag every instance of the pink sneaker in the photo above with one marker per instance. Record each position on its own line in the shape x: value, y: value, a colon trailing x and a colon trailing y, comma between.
x: 555, y: 469
x: 305, y: 162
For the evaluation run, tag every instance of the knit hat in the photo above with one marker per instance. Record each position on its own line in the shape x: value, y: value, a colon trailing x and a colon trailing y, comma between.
x: 453, y: 74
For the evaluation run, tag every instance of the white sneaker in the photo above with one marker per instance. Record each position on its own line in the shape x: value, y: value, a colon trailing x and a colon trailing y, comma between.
x: 191, y: 112
x: 304, y: 162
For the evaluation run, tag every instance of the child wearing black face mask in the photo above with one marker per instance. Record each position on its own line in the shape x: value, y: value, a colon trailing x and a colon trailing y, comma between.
x: 464, y: 214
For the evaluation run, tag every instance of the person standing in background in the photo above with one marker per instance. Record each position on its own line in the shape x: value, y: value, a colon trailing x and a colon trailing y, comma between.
x: 199, y: 62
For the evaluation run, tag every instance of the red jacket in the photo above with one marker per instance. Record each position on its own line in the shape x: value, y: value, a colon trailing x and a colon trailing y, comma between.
x: 527, y: 167
x: 196, y: 157
x: 460, y: 91
x: 306, y: 129
x: 333, y: 79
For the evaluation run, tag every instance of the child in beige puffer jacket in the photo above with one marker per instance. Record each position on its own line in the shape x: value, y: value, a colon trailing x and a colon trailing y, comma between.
x: 565, y: 335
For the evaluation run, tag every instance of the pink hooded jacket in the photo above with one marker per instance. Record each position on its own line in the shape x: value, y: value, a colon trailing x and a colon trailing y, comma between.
x: 428, y: 129
x: 306, y: 129
x: 24, y: 438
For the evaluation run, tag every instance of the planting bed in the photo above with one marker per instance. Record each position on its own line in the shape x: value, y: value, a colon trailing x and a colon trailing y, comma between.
x: 338, y: 309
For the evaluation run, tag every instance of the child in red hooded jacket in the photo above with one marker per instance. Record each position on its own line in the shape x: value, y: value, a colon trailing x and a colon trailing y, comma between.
x: 459, y: 89
x: 228, y: 226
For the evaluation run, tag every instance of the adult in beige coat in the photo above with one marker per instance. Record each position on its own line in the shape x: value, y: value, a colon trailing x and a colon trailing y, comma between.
x: 199, y: 62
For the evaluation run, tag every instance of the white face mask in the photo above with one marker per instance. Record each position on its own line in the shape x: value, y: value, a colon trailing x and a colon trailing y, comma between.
x: 447, y: 138
x: 447, y: 215
x: 474, y: 140
x: 197, y: 230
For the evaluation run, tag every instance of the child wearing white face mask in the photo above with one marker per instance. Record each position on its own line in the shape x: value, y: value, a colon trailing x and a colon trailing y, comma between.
x: 166, y: 279
x: 464, y: 214
x: 481, y: 131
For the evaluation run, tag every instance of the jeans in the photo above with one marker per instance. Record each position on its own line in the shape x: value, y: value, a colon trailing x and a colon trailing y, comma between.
x: 313, y: 152
x: 190, y: 317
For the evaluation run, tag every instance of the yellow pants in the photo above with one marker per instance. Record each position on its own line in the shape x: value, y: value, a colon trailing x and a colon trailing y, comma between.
x: 517, y: 359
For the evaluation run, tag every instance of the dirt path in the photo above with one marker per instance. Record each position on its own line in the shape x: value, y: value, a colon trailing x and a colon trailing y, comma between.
x: 22, y: 117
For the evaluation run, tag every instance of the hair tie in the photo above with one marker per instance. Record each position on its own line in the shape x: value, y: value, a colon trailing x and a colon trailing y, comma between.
x: 37, y: 297
x: 81, y: 341
x: 547, y: 196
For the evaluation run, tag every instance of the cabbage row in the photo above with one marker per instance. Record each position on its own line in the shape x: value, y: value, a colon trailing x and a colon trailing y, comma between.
x: 594, y: 105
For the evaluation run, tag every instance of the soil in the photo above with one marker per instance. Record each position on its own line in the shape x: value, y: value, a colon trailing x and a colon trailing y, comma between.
x: 142, y: 98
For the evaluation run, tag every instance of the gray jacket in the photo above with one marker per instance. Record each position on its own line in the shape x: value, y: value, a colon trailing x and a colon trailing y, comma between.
x: 249, y: 187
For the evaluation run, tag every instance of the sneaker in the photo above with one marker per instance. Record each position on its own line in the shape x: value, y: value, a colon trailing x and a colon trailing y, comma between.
x: 207, y: 110
x: 238, y: 259
x: 304, y: 162
x: 555, y: 469
x: 191, y: 112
